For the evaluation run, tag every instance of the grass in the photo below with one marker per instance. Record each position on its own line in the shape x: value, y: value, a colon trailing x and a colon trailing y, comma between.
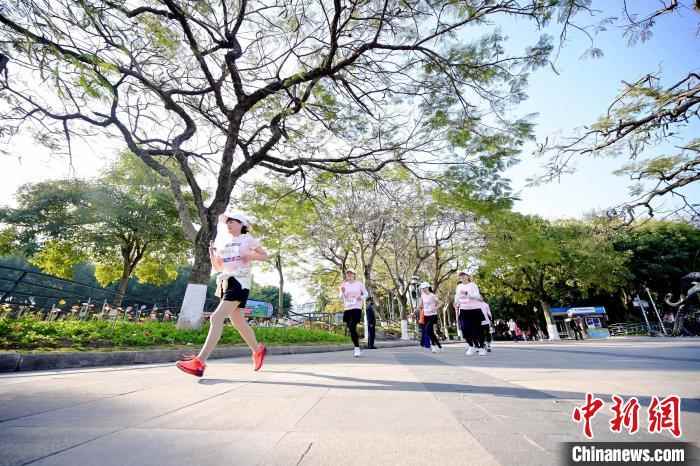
x: 32, y: 334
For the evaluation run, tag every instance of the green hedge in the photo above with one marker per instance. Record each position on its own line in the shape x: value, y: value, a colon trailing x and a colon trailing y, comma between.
x: 32, y: 334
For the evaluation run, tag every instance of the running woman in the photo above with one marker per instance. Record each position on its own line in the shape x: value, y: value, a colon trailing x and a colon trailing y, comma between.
x: 353, y: 293
x: 468, y: 303
x: 235, y: 251
x: 429, y: 303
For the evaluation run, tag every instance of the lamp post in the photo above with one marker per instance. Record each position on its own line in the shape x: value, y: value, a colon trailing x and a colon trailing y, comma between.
x: 413, y: 299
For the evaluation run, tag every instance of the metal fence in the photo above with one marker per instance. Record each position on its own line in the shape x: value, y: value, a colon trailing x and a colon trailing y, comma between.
x: 28, y: 292
x: 637, y: 328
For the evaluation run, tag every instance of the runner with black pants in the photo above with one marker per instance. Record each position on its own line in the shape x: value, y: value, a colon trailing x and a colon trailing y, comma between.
x: 468, y: 304
x: 353, y: 293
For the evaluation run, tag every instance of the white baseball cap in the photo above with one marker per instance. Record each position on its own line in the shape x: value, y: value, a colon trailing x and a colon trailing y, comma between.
x: 424, y: 285
x: 236, y: 215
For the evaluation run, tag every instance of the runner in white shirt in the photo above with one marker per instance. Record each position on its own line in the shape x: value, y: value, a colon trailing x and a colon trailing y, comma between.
x: 232, y: 257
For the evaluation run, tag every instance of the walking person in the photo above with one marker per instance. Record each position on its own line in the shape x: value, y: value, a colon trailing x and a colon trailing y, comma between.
x: 469, y: 315
x: 486, y: 325
x: 424, y: 339
x: 429, y: 305
x: 232, y: 256
x: 371, y: 323
x: 353, y: 293
x: 576, y: 329
x: 519, y: 335
x: 511, y: 329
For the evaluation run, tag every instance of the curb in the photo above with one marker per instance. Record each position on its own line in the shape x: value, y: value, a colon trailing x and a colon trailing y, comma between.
x: 12, y: 361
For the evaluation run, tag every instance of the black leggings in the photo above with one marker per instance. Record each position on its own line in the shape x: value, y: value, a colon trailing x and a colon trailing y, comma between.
x: 487, y: 332
x: 470, y: 323
x: 352, y: 317
x: 430, y: 330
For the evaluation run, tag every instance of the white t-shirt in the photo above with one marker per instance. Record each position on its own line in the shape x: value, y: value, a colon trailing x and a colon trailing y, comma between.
x: 230, y: 253
x: 429, y: 304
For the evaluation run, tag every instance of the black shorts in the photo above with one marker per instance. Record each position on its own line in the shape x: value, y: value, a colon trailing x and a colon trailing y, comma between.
x: 352, y: 316
x: 234, y: 292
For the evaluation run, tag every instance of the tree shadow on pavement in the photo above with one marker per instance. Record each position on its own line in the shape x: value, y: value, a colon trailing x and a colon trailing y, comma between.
x: 689, y: 404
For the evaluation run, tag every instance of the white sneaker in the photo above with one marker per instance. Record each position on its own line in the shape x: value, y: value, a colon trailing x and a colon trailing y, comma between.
x: 482, y: 352
x: 433, y: 349
x: 470, y: 350
x: 357, y: 353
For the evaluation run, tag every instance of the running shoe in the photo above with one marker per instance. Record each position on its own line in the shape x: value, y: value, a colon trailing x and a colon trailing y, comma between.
x: 482, y: 352
x: 357, y: 353
x: 259, y: 356
x: 193, y: 366
x: 470, y: 350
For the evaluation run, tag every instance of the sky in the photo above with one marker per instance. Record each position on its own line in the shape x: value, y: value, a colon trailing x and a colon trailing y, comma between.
x: 577, y: 96
x: 582, y: 92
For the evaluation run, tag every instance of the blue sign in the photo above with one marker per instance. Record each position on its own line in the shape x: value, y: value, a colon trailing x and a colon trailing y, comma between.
x: 258, y: 309
x: 577, y: 311
x: 598, y: 332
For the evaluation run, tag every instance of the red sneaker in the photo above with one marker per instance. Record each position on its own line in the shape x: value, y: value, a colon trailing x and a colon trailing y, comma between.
x: 259, y: 356
x: 193, y: 366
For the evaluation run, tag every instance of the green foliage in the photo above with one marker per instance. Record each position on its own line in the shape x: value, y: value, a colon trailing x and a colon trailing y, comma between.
x: 531, y: 259
x: 58, y: 258
x: 661, y: 253
x: 9, y: 243
x: 125, y: 222
x: 270, y: 294
x: 32, y: 334
x: 164, y: 38
x: 155, y: 270
x: 108, y: 272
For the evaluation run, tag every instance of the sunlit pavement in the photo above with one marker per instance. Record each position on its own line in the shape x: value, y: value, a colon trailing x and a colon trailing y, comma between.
x: 391, y: 406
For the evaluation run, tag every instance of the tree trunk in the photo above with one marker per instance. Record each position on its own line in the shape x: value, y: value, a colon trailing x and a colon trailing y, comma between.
x: 280, y: 297
x: 131, y: 256
x: 551, y: 326
x: 123, y: 283
x: 196, y: 293
x: 404, y: 320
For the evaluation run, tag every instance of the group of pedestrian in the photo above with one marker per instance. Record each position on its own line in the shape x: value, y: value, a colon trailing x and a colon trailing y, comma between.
x: 232, y: 255
x: 519, y: 330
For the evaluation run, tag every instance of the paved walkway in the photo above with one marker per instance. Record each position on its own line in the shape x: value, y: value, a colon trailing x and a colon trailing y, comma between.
x: 395, y: 406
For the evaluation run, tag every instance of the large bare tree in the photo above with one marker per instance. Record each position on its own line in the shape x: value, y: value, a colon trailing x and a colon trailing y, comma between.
x: 289, y: 86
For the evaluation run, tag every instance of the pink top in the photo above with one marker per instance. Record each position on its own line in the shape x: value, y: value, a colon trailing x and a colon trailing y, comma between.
x: 467, y: 296
x: 429, y: 304
x: 486, y: 310
x: 352, y: 294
